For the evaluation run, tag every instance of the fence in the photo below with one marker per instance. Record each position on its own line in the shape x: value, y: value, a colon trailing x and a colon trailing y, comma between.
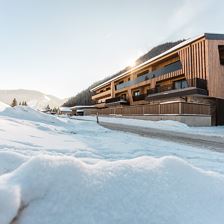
x: 154, y: 109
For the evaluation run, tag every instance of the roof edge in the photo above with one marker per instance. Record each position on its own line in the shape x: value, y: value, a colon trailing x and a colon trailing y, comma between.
x: 209, y: 36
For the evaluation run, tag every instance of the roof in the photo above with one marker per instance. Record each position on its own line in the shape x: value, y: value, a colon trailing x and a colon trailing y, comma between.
x: 65, y: 109
x: 82, y: 107
x: 210, y: 36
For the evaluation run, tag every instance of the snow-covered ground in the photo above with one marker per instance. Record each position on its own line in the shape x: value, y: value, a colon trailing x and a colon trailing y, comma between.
x: 56, y: 170
x: 163, y: 124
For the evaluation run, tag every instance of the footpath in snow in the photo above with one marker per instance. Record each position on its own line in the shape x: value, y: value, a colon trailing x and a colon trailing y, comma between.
x: 56, y: 170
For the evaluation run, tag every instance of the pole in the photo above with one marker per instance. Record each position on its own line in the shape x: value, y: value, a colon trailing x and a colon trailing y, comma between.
x: 97, y: 118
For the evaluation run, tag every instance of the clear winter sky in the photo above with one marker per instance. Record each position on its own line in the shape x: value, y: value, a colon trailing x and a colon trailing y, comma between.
x: 62, y: 46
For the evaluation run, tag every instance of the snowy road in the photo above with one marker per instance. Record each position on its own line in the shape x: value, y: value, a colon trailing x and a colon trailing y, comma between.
x: 215, y: 143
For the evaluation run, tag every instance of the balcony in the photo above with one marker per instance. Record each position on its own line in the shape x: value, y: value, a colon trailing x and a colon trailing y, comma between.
x: 116, y: 100
x: 194, y: 87
x: 139, y: 97
x: 101, y: 95
x: 167, y: 69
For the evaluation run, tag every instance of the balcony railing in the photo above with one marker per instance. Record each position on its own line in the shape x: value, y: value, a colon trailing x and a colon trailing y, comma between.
x: 197, y: 83
x: 169, y: 68
x: 101, y: 94
x: 116, y: 100
x: 139, y: 97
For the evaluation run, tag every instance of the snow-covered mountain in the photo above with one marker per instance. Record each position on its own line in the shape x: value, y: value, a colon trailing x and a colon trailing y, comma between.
x: 33, y: 98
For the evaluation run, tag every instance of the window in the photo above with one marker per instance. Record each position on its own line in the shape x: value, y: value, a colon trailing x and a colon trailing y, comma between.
x: 123, y: 96
x: 142, y: 73
x: 108, y: 88
x: 120, y: 82
x: 221, y: 54
x: 180, y: 84
x: 136, y: 93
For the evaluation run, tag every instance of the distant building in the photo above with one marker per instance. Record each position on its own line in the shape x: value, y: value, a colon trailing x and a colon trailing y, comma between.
x: 65, y: 110
x: 186, y: 80
x: 80, y: 110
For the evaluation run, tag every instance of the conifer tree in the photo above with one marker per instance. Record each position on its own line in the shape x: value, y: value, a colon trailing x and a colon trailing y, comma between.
x: 48, y: 108
x: 14, y: 103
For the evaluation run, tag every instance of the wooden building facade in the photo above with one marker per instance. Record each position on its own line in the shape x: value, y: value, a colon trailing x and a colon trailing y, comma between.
x: 191, y: 72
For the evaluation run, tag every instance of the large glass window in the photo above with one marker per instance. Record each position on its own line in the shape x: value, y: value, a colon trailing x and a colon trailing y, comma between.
x: 180, y: 84
x: 136, y: 93
x: 221, y: 54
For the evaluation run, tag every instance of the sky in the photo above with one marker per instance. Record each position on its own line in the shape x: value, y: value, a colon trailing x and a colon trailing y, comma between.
x: 60, y: 47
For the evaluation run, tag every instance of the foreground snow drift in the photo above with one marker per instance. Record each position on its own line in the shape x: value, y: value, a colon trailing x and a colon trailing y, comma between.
x: 56, y: 170
x: 145, y: 190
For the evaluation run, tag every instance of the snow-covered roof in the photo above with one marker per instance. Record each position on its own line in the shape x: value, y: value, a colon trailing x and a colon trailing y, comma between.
x: 65, y: 109
x: 182, y: 44
x: 82, y: 107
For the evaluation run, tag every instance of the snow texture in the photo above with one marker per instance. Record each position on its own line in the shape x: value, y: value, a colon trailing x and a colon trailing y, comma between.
x: 143, y: 190
x: 55, y: 170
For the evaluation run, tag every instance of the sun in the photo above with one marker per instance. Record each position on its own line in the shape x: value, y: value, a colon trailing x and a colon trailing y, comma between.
x: 132, y: 64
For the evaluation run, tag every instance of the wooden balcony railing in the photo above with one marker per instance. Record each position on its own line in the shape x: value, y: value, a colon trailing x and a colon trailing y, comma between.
x: 197, y: 83
x: 102, y: 94
x: 169, y: 68
x: 116, y: 100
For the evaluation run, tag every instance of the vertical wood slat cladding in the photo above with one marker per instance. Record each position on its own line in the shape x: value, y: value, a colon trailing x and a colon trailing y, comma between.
x: 215, y: 69
x: 193, y: 60
x: 196, y: 57
x: 199, y: 60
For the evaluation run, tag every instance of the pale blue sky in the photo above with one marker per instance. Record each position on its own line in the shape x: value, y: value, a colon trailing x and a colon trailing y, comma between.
x: 62, y: 46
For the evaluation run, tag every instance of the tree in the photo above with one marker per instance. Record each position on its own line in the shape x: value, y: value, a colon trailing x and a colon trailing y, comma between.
x: 48, y: 108
x: 55, y: 110
x: 14, y: 103
x: 24, y: 103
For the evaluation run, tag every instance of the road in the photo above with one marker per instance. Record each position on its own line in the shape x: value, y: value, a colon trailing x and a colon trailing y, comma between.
x: 214, y: 143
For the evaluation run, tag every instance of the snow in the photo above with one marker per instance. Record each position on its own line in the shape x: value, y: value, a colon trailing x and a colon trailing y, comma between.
x: 57, y: 170
x: 10, y: 161
x: 162, y: 124
x: 34, y: 99
x: 143, y: 190
x: 3, y: 106
x: 65, y: 109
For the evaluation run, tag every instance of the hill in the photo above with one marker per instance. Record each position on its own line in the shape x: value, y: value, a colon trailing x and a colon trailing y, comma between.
x: 84, y: 97
x: 35, y: 99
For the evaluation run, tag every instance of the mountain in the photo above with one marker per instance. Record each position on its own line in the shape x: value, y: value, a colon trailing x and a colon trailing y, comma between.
x: 84, y: 97
x: 33, y: 98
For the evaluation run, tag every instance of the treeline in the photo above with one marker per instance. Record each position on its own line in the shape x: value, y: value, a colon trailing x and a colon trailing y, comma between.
x: 84, y: 97
x: 15, y: 103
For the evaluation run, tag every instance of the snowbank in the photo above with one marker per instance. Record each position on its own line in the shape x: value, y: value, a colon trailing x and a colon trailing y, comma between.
x: 55, y: 190
x: 27, y: 113
x: 9, y: 161
x: 3, y: 106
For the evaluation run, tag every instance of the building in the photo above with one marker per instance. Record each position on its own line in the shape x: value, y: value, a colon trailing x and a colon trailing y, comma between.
x: 65, y: 111
x: 80, y: 110
x: 188, y: 80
